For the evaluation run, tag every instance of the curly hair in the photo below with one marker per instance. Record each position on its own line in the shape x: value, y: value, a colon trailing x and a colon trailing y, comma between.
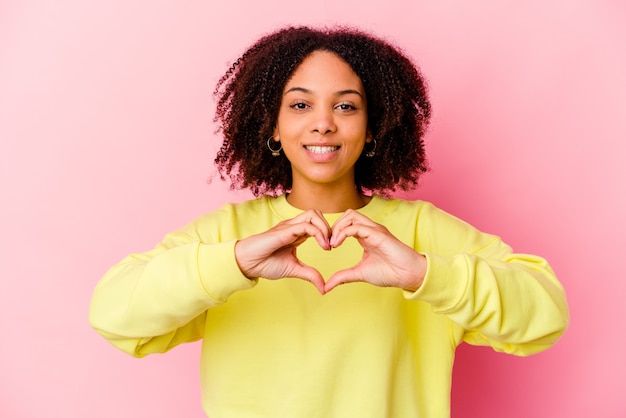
x: 249, y: 97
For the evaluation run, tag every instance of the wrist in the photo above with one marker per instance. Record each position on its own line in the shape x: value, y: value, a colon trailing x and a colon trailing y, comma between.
x: 421, y: 266
x: 238, y: 260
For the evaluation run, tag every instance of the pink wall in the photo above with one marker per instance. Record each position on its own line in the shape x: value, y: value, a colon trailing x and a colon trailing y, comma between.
x: 106, y: 143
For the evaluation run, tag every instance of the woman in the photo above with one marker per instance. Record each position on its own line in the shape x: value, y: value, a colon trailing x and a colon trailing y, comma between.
x: 323, y: 125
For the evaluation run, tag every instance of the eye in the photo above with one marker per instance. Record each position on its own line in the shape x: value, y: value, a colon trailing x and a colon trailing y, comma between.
x: 299, y: 106
x: 345, y: 107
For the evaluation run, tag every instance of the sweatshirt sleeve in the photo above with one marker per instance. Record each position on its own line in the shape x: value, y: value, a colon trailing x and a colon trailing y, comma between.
x: 511, y: 302
x: 151, y: 302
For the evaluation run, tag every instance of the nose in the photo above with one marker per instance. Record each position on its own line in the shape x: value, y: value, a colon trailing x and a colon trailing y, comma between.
x: 323, y: 121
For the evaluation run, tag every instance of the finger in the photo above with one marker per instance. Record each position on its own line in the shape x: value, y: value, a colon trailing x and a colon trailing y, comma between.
x: 359, y: 231
x: 352, y: 216
x: 319, y: 221
x: 311, y: 216
x: 315, y: 218
x: 350, y: 222
x: 291, y: 233
x: 310, y: 230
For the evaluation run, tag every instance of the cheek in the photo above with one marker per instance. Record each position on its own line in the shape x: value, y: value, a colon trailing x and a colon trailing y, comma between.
x: 359, y: 134
x: 360, y: 126
x: 287, y: 127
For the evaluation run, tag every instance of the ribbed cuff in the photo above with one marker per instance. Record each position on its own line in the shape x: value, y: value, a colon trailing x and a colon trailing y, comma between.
x: 219, y: 271
x: 444, y: 284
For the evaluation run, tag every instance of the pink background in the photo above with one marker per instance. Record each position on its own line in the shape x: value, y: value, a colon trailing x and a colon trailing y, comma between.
x: 106, y: 143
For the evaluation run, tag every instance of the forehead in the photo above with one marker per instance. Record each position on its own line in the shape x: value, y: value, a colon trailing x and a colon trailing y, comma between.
x: 325, y: 70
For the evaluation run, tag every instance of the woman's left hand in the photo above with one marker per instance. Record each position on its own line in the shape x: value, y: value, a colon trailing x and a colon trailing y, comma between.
x: 386, y: 261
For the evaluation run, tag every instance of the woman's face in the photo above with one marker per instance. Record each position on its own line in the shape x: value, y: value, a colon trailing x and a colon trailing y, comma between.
x: 322, y: 121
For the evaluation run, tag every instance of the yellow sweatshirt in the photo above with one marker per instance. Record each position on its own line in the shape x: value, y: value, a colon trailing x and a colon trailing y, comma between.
x: 280, y: 349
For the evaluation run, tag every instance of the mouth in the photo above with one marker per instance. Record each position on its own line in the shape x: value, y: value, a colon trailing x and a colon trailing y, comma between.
x: 318, y: 149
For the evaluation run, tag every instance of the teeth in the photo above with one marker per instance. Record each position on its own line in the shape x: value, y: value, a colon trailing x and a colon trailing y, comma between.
x: 320, y: 150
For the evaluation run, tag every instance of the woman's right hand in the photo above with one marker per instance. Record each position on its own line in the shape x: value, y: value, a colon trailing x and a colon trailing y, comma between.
x: 272, y: 254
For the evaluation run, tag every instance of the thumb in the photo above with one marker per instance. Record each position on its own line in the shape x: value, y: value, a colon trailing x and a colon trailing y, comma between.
x: 341, y: 277
x: 304, y: 272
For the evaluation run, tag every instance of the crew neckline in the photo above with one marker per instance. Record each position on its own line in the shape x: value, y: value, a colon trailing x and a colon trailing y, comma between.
x: 285, y: 210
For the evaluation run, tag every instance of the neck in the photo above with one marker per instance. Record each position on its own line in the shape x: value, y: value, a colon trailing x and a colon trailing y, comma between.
x: 326, y: 199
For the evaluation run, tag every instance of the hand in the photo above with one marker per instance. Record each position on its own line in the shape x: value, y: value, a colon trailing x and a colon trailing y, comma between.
x: 386, y: 260
x: 272, y: 254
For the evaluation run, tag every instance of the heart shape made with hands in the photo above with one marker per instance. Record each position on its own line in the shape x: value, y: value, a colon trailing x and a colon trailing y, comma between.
x: 330, y: 264
x: 381, y: 260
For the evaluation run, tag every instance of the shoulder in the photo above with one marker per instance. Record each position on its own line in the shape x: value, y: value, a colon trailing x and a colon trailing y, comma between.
x: 236, y: 219
x: 237, y: 210
x: 421, y: 215
x: 397, y: 207
x: 241, y: 207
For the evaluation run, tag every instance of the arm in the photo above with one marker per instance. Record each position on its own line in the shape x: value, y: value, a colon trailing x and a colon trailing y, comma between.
x: 511, y: 302
x: 154, y: 301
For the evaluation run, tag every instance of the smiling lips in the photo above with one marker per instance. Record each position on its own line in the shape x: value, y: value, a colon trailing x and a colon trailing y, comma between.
x: 317, y: 149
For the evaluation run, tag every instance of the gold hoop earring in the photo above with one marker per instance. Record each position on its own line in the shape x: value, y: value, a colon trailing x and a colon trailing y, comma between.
x: 275, y: 152
x: 370, y: 153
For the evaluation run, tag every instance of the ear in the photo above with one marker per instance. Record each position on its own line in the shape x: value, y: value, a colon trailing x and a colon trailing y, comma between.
x: 368, y: 137
x: 276, y: 135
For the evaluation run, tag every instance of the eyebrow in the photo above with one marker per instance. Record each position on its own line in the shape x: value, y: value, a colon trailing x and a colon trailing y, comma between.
x: 339, y: 93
